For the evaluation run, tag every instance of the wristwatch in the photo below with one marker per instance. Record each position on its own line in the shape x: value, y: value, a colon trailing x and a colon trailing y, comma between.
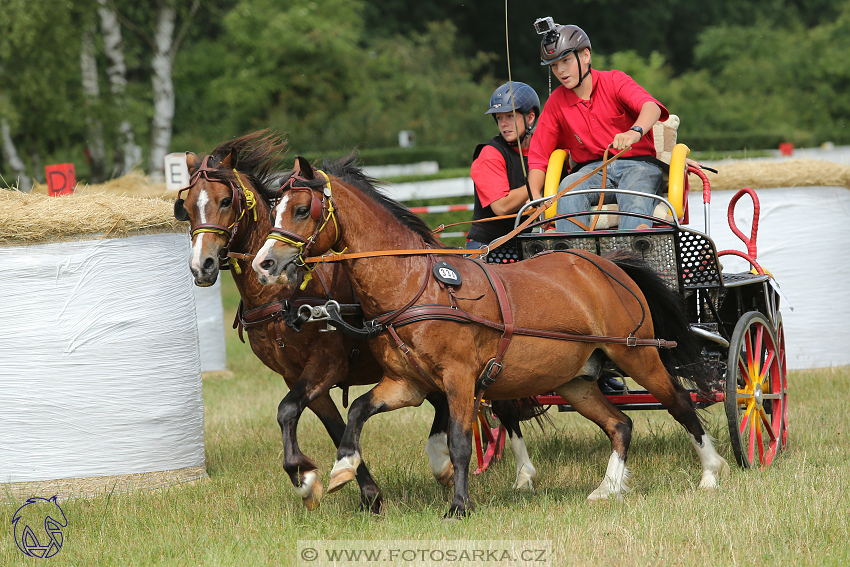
x: 637, y: 129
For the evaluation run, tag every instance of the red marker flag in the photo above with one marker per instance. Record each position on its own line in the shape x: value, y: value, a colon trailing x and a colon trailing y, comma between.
x: 61, y: 179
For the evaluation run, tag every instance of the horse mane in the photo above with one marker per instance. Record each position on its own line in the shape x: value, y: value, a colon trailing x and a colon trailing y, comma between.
x: 346, y: 170
x: 259, y: 156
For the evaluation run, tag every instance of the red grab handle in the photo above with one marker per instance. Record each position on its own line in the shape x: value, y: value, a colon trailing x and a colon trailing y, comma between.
x: 751, y: 241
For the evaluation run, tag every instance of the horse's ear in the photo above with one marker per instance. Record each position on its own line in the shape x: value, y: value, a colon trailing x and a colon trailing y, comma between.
x: 233, y: 158
x: 191, y: 161
x: 227, y: 161
x: 305, y: 167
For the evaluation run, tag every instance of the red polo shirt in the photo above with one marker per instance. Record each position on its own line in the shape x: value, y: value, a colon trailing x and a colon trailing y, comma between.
x: 586, y: 127
x: 490, y: 175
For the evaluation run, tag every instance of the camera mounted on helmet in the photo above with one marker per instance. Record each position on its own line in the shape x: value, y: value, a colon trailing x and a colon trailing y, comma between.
x: 560, y: 41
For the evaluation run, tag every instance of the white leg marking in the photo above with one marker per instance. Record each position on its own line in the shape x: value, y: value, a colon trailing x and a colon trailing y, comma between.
x: 307, y: 483
x: 526, y: 474
x: 437, y: 450
x: 713, y: 465
x: 614, y: 483
x: 346, y: 463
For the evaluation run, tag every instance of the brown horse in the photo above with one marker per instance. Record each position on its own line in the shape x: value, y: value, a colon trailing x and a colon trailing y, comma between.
x: 226, y: 218
x: 432, y: 337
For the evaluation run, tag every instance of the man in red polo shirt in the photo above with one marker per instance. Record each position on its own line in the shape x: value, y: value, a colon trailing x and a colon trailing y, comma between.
x: 588, y: 112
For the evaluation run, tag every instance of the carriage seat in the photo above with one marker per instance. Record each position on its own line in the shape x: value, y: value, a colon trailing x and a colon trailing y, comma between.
x: 664, y: 135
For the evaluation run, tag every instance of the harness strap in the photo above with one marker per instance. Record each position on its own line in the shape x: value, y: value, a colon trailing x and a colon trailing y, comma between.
x: 446, y: 313
x: 406, y: 350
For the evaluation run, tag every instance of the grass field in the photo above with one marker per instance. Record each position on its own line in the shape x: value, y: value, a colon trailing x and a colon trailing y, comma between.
x: 246, y: 513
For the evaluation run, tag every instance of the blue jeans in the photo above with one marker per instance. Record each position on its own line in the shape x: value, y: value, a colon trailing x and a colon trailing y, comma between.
x: 624, y: 174
x: 475, y: 244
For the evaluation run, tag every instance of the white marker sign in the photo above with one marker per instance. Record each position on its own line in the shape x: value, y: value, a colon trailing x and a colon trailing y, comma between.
x: 176, y: 172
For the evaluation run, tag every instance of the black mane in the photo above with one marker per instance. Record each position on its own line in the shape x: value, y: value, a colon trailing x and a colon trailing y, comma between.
x: 258, y: 156
x: 347, y: 170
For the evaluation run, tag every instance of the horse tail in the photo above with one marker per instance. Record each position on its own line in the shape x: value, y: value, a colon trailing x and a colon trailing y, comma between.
x: 667, y: 310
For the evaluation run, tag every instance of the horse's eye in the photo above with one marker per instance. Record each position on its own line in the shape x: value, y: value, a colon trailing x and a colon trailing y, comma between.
x: 302, y: 212
x: 226, y: 202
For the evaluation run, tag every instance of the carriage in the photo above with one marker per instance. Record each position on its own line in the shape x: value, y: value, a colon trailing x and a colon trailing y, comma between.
x: 730, y: 323
x: 735, y: 316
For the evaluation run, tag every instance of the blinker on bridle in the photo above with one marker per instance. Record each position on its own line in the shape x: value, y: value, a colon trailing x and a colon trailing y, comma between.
x: 238, y: 197
x: 317, y: 209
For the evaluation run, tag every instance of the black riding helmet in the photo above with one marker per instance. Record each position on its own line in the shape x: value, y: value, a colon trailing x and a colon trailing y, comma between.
x: 524, y: 100
x: 560, y: 42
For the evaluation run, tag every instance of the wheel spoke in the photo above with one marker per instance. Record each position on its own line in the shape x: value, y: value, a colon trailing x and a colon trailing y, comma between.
x: 766, y: 367
x: 746, y: 417
x: 751, y: 452
x: 744, y: 369
x: 766, y: 420
x: 759, y: 440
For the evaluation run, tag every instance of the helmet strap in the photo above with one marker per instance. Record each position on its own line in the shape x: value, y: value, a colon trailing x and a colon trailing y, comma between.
x: 581, y: 75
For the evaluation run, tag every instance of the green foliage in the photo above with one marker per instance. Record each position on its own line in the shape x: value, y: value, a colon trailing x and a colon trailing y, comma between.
x: 340, y: 74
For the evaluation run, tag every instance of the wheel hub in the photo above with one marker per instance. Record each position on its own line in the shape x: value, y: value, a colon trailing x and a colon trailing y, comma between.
x: 757, y: 395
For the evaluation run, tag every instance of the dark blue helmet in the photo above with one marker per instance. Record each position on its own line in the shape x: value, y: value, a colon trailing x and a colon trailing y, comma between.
x: 524, y: 100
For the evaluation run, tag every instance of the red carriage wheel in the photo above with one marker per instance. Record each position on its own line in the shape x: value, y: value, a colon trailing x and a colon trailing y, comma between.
x: 780, y: 344
x: 755, y: 392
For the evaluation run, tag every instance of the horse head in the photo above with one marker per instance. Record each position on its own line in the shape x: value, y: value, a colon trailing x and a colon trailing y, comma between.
x: 304, y: 224
x: 214, y: 203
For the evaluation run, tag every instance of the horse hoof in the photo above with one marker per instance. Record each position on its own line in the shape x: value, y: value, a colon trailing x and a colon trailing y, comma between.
x: 311, y: 490
x: 344, y: 471
x: 340, y: 479
x: 311, y: 501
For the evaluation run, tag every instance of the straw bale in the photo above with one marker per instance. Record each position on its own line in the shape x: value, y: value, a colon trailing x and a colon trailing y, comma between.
x: 29, y: 218
x: 768, y: 174
x: 134, y: 184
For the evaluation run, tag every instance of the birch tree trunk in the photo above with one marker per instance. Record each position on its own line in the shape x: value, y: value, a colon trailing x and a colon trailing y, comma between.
x: 127, y: 154
x: 163, y: 88
x: 91, y: 91
x: 10, y: 154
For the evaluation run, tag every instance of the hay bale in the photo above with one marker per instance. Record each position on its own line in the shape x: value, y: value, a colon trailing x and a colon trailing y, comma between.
x: 105, y: 345
x: 770, y: 174
x: 31, y: 218
x: 134, y: 184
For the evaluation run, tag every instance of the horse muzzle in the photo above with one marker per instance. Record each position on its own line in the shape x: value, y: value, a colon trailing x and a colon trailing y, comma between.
x: 205, y: 272
x: 276, y: 266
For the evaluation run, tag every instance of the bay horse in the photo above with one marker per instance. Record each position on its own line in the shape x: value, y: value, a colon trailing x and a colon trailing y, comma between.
x: 227, y: 218
x: 497, y: 327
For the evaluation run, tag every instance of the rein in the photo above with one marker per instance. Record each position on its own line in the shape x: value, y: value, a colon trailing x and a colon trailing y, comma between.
x: 339, y: 256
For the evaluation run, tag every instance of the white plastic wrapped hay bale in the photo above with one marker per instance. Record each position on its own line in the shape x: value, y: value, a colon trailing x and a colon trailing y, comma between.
x: 100, y: 383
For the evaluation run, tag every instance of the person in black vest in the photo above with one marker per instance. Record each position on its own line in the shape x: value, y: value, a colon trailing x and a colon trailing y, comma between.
x: 499, y: 169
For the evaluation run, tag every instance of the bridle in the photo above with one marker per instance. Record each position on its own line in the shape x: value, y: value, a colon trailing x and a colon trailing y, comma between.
x: 243, y: 200
x: 322, y: 211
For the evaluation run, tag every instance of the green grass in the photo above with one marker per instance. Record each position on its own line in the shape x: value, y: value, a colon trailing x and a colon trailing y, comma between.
x: 246, y: 513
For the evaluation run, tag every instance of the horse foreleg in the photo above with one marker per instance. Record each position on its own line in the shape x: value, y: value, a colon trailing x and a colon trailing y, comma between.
x: 387, y: 395
x: 301, y: 469
x: 679, y: 404
x: 328, y: 413
x: 587, y: 400
x: 437, y: 447
x: 526, y: 474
